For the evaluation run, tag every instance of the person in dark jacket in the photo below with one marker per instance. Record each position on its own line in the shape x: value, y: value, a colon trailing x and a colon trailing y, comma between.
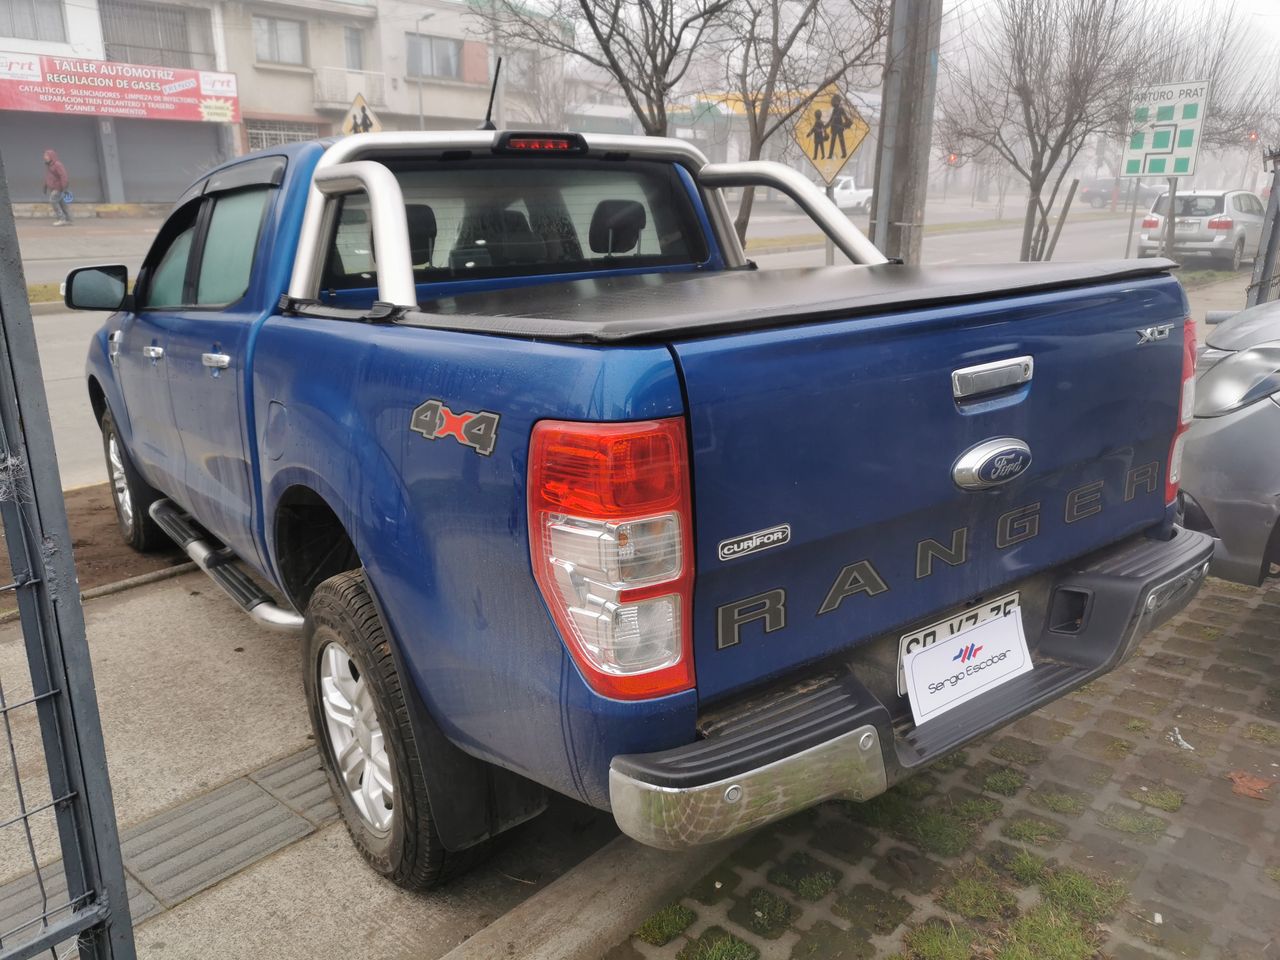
x: 56, y: 182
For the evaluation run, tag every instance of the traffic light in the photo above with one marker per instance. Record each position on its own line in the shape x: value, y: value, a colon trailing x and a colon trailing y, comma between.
x: 1253, y: 136
x: 953, y: 159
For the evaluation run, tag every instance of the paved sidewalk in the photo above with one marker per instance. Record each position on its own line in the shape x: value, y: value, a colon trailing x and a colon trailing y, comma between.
x: 1109, y: 821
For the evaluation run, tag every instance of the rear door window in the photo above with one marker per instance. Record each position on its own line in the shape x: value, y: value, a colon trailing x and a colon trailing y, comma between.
x: 1191, y: 206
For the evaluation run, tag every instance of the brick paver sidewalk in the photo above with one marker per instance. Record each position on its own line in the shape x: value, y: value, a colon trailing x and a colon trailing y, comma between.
x: 1108, y: 824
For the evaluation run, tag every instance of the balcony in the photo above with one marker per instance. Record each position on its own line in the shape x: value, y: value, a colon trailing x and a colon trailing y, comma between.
x: 336, y: 88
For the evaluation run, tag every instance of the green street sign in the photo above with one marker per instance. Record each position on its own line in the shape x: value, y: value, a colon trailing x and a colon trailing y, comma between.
x: 1164, y: 130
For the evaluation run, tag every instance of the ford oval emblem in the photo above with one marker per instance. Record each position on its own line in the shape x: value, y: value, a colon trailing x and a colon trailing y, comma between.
x: 991, y: 463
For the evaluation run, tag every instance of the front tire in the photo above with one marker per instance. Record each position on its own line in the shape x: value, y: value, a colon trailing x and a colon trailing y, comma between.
x: 131, y: 495
x: 361, y: 723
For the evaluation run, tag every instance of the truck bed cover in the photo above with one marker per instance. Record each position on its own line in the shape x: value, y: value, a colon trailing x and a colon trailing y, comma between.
x: 678, y: 306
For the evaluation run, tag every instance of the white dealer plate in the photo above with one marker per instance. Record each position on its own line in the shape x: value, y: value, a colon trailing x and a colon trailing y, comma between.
x: 969, y: 664
x: 928, y: 636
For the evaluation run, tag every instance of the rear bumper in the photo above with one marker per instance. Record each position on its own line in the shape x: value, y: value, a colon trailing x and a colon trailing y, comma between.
x: 829, y: 736
x: 1220, y: 246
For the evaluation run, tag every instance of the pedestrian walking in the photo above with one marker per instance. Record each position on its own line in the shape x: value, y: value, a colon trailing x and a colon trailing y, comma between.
x: 838, y: 124
x: 818, y: 133
x: 56, y: 182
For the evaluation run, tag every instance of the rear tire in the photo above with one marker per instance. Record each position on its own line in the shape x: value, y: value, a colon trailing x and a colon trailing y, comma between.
x: 361, y: 724
x: 131, y: 495
x: 1237, y: 256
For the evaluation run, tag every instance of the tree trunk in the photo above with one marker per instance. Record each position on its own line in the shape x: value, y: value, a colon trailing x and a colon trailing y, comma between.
x: 744, y: 213
x: 1029, y: 223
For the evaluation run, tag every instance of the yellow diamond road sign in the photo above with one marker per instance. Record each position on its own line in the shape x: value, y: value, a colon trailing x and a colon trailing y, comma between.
x: 360, y: 118
x: 829, y: 130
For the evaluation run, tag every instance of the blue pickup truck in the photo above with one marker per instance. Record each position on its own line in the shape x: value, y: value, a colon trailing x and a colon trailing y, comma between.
x: 565, y: 494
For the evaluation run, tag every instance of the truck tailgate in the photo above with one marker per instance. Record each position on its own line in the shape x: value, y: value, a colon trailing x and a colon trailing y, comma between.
x: 847, y: 432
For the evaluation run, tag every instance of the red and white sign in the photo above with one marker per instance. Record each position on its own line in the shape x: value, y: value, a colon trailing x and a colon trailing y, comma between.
x: 104, y: 88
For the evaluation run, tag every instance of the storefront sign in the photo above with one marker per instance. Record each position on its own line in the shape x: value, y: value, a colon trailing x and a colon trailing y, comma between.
x: 105, y: 88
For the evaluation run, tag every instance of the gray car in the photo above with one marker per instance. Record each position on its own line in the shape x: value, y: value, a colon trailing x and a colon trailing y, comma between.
x: 1222, y: 224
x: 1231, y: 457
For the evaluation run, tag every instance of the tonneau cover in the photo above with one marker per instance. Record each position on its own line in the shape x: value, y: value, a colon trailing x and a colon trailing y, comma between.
x: 677, y: 306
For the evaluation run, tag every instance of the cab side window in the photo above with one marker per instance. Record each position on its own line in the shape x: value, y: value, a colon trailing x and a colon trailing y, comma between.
x: 229, y: 246
x: 167, y: 283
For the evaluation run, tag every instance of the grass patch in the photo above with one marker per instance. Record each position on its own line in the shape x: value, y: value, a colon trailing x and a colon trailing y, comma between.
x: 940, y: 833
x: 1145, y: 826
x: 44, y: 292
x: 718, y: 944
x: 952, y: 761
x: 1263, y: 733
x: 1033, y: 830
x: 1138, y: 725
x: 1161, y: 797
x: 871, y: 908
x: 1022, y: 752
x: 764, y: 912
x: 977, y: 809
x: 665, y: 925
x: 1091, y: 899
x: 1067, y: 802
x: 1194, y: 279
x: 1027, y: 868
x: 1045, y: 934
x: 1118, y: 749
x: 939, y: 941
x: 976, y: 894
x: 1274, y: 873
x: 1005, y: 782
x: 918, y: 787
x: 805, y: 877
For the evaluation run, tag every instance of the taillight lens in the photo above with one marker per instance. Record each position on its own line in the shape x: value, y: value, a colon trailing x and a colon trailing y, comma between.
x: 610, y: 534
x: 1186, y: 410
x: 1150, y: 223
x: 1220, y: 223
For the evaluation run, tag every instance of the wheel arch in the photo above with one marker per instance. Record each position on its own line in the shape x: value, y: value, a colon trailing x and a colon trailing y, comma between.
x: 97, y: 399
x: 311, y: 543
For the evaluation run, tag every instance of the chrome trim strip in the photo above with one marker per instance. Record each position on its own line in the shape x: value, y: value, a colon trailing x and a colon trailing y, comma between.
x: 850, y: 765
x: 989, y: 377
x: 832, y: 221
x: 390, y: 225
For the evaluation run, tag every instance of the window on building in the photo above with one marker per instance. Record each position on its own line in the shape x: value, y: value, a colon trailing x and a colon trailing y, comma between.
x: 33, y: 20
x: 433, y: 56
x: 354, y: 38
x: 279, y: 41
x: 272, y: 133
x: 154, y: 34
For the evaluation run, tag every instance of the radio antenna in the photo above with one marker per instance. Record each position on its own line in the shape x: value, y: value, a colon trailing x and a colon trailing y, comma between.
x: 493, y: 91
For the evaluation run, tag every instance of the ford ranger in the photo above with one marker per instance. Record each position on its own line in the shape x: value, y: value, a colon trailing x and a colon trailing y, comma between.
x: 565, y: 495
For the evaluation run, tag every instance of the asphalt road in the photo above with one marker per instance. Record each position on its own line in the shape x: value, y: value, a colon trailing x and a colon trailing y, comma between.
x: 64, y: 337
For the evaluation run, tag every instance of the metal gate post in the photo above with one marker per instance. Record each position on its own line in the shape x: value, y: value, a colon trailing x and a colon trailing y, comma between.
x: 1264, y: 262
x: 96, y: 911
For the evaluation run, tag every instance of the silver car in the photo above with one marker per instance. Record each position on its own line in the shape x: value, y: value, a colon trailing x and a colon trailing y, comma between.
x: 1231, y: 457
x: 1223, y: 224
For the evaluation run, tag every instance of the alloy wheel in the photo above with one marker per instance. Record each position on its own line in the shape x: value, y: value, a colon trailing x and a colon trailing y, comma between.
x: 359, y: 750
x: 120, y: 483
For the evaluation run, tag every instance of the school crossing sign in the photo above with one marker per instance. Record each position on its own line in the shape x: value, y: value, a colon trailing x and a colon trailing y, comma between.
x: 1164, y: 130
x: 829, y: 129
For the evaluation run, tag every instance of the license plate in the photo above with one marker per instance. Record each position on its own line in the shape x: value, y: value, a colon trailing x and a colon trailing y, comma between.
x: 973, y: 663
x: 1187, y: 226
x: 928, y: 636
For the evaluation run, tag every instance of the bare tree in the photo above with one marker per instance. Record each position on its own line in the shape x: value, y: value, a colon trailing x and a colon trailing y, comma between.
x: 541, y: 91
x: 1033, y: 81
x: 778, y: 55
x: 646, y: 46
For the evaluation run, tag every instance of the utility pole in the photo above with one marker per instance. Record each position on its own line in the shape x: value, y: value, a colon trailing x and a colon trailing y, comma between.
x: 906, y: 128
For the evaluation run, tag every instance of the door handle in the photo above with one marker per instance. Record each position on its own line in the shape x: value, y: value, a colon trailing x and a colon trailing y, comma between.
x: 990, y: 377
x: 218, y: 361
x: 153, y: 353
x: 113, y: 346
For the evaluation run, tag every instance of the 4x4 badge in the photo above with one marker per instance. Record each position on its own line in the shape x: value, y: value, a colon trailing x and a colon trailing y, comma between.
x: 478, y: 430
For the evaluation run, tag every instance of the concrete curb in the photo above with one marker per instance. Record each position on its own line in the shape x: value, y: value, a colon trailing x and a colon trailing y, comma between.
x: 107, y: 589
x: 46, y: 307
x: 594, y: 906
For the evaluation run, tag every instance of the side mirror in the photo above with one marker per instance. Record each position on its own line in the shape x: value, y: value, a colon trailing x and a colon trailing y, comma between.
x: 96, y: 288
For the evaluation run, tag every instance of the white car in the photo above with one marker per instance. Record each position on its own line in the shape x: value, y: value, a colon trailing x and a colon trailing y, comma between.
x: 849, y: 196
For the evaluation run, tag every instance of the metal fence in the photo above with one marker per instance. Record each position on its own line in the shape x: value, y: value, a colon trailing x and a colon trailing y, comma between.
x: 59, y: 849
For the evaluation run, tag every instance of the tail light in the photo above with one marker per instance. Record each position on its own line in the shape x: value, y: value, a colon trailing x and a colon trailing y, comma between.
x: 1220, y: 223
x: 1186, y: 409
x: 611, y: 534
x: 1150, y: 223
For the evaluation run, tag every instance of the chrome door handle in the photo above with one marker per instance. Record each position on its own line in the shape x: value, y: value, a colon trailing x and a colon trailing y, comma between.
x: 113, y: 346
x: 990, y: 377
x: 153, y: 353
x: 218, y: 361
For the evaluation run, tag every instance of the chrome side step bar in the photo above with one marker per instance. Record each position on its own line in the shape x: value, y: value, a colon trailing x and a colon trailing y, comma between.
x: 218, y: 562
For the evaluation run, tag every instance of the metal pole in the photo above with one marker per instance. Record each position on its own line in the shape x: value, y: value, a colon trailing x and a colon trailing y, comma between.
x: 831, y: 247
x: 48, y: 598
x: 1264, y: 264
x: 1169, y: 217
x: 1133, y: 216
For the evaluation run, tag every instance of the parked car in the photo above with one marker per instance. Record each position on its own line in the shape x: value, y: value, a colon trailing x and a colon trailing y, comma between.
x: 565, y: 496
x: 1099, y: 193
x: 1223, y: 224
x: 1231, y: 468
x: 850, y: 197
